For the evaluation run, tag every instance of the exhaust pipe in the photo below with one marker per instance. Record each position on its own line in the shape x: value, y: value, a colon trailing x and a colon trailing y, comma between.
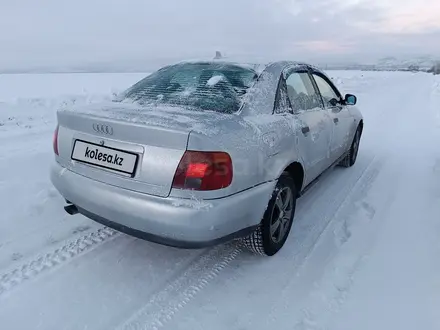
x: 71, y: 209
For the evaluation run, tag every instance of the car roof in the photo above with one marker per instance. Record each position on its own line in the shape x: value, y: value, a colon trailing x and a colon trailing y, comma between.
x: 262, y: 95
x: 257, y: 66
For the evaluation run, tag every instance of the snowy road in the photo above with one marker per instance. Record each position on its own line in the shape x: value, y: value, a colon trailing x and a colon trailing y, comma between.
x: 363, y: 253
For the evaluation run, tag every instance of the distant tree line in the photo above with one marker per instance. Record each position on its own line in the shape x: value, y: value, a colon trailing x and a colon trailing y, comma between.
x: 435, y: 68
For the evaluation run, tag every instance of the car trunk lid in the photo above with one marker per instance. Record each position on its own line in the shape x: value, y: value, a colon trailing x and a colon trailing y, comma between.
x: 92, y: 142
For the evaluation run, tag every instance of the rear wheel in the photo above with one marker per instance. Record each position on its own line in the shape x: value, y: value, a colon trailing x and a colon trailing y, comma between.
x: 351, y: 156
x: 272, y: 233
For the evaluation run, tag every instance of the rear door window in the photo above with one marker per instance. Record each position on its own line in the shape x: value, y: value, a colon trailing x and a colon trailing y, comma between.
x: 302, y: 94
x: 282, y: 104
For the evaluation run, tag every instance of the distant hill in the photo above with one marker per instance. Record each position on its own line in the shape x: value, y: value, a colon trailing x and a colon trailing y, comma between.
x: 423, y: 63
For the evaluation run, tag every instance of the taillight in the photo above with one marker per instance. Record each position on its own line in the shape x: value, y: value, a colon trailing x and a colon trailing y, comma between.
x: 200, y: 170
x: 55, y: 141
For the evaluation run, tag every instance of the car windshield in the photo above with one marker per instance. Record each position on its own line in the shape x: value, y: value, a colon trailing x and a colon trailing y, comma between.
x: 204, y: 86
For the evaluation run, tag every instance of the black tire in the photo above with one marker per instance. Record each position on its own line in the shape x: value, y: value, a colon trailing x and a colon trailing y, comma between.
x: 350, y: 159
x: 266, y: 240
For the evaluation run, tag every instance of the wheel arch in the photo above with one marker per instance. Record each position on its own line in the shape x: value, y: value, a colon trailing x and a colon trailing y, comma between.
x: 296, y: 172
x: 361, y: 125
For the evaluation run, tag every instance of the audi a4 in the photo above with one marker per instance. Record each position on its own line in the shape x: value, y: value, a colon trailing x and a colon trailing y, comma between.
x: 203, y: 152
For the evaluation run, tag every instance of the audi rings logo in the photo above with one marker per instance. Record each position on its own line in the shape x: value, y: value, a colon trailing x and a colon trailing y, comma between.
x: 103, y: 129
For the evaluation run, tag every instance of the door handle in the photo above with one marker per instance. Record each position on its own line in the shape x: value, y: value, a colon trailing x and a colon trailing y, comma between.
x: 335, y: 120
x: 305, y: 129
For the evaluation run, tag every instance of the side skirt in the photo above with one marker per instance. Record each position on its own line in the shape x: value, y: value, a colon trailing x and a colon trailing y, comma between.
x: 331, y: 167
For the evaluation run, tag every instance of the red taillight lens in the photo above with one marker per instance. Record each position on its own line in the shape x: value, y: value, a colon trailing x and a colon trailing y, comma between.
x: 55, y: 141
x: 200, y: 170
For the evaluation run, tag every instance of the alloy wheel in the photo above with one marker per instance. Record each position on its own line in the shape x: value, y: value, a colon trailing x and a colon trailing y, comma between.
x: 281, y: 214
x: 355, y: 146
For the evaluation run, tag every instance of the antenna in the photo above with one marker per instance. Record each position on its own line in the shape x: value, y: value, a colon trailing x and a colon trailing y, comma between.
x: 218, y: 55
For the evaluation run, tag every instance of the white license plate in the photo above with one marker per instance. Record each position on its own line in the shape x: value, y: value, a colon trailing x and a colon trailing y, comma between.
x: 95, y: 154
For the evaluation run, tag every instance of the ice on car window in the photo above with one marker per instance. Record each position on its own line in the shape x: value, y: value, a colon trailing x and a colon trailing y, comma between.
x: 214, y: 80
x: 205, y: 86
x: 301, y: 92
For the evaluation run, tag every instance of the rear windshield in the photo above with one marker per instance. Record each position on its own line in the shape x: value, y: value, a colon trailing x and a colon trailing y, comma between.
x: 205, y: 86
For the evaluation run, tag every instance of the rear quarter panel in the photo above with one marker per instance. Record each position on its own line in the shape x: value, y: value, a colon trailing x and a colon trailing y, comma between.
x: 261, y: 147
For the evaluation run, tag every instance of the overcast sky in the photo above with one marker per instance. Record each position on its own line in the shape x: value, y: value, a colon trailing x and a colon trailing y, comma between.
x: 61, y: 32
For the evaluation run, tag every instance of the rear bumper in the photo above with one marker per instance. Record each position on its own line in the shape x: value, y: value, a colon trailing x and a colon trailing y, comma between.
x: 169, y: 221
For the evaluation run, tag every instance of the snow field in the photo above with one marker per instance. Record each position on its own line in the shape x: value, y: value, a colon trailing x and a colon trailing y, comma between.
x: 363, y: 251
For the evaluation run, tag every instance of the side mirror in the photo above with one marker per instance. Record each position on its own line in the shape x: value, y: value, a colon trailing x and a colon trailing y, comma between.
x: 350, y: 99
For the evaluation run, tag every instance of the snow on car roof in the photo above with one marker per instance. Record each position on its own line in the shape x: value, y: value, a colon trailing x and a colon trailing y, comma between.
x: 257, y: 67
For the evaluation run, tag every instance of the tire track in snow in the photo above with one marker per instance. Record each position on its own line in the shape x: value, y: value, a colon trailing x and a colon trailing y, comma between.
x: 330, y: 292
x: 55, y: 258
x: 169, y: 301
x: 335, y: 236
x: 166, y: 303
x: 293, y: 265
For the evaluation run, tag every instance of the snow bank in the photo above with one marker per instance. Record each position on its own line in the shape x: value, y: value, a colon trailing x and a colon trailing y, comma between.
x: 30, y: 101
x: 37, y: 113
x: 31, y: 86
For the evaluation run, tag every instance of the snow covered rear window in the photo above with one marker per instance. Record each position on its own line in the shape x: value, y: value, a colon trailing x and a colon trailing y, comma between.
x: 207, y: 86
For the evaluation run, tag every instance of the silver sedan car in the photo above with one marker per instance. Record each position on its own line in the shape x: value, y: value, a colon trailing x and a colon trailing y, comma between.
x: 203, y: 152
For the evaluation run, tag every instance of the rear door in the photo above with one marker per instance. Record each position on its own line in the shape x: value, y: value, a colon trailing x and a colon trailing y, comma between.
x: 341, y: 119
x: 311, y: 121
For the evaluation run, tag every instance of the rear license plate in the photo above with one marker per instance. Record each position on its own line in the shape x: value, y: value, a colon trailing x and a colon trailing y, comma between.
x: 95, y: 154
